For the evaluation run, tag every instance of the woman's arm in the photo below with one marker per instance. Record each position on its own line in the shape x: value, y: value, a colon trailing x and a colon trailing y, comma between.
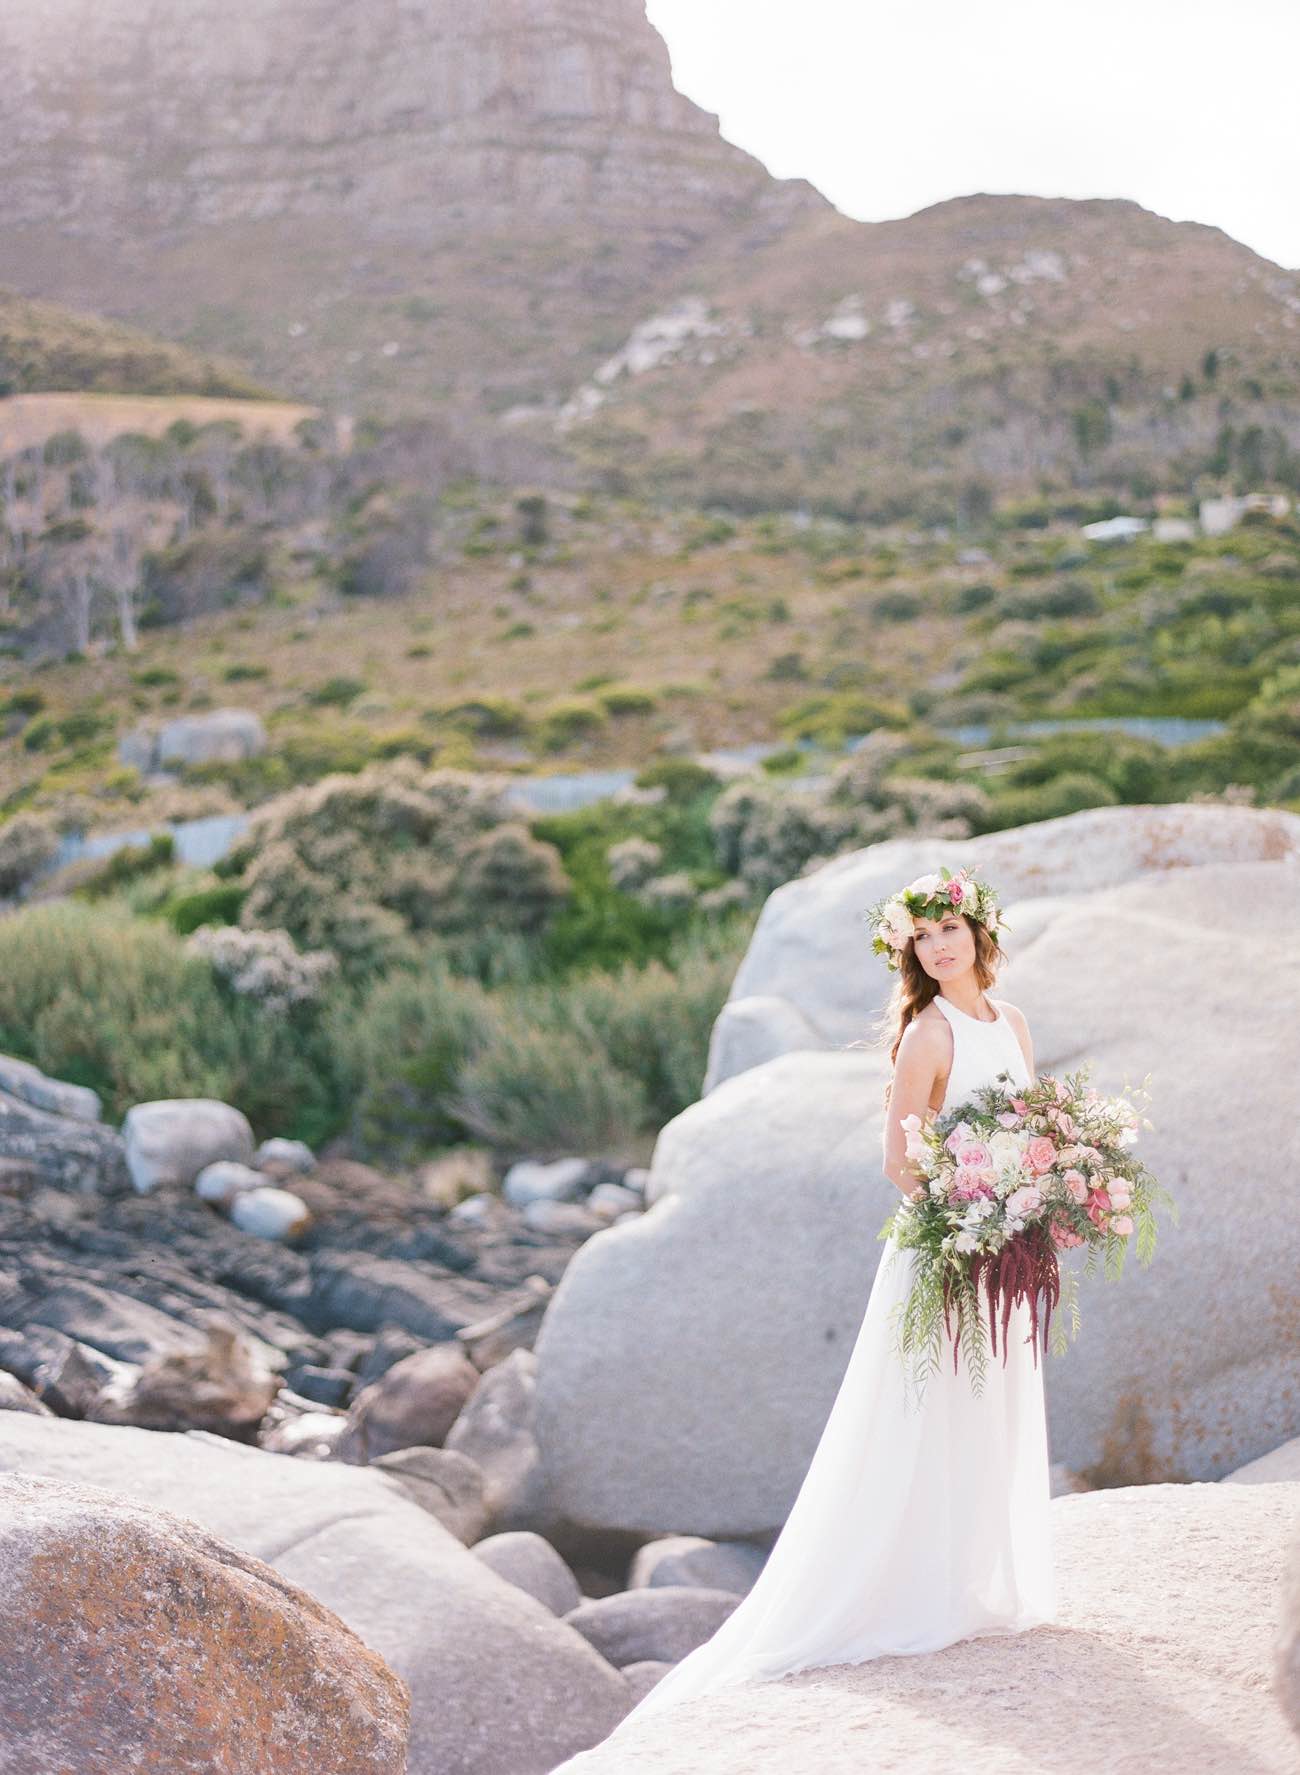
x: 921, y: 1057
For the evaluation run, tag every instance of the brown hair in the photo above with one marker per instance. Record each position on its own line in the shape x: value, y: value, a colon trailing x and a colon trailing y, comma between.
x: 914, y: 989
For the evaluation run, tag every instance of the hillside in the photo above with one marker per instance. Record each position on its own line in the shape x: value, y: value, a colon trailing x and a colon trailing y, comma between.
x: 44, y: 347
x: 506, y: 216
x: 598, y: 633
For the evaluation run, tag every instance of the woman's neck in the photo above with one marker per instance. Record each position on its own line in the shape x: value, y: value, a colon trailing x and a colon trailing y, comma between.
x: 967, y: 995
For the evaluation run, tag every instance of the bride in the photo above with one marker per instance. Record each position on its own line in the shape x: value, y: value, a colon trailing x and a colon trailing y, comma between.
x: 918, y: 1523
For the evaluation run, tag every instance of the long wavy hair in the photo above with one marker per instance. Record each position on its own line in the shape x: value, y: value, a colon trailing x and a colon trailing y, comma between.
x: 914, y: 989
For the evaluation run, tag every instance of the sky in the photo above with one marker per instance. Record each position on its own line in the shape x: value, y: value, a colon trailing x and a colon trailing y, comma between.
x: 1186, y: 106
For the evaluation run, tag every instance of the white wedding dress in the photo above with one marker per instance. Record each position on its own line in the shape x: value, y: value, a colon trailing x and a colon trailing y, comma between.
x: 916, y: 1524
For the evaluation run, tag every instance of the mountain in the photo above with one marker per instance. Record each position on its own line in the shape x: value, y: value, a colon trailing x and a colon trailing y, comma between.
x: 505, y: 217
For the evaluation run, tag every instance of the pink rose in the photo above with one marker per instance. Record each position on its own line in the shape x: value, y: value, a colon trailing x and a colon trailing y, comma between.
x: 1040, y: 1154
x: 967, y: 1184
x: 1064, y: 1234
x: 959, y: 1136
x: 974, y: 1155
x: 1119, y: 1196
x: 1019, y: 1105
x: 1025, y: 1201
x: 1121, y: 1224
x: 956, y: 892
x: 1077, y: 1184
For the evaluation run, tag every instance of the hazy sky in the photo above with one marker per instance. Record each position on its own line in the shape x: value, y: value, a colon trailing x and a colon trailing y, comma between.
x: 1186, y: 106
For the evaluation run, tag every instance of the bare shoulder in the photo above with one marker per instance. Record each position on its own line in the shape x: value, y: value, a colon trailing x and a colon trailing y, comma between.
x: 929, y: 1029
x: 1014, y: 1015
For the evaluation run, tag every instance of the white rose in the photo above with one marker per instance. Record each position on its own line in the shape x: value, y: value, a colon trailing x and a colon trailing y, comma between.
x: 1005, y: 1150
x: 965, y: 1242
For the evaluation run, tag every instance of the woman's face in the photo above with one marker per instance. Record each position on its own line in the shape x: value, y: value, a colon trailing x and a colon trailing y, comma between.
x: 945, y: 947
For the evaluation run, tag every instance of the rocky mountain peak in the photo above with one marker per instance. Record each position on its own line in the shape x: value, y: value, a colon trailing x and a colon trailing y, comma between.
x: 168, y: 115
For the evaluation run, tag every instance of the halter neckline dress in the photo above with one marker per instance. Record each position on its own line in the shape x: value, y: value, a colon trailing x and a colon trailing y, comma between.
x: 915, y: 1525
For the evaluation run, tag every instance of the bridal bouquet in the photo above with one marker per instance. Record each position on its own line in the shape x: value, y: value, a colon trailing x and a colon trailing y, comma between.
x: 1013, y: 1177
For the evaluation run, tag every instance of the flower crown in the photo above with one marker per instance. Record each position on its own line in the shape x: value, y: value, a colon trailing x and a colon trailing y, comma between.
x: 930, y: 896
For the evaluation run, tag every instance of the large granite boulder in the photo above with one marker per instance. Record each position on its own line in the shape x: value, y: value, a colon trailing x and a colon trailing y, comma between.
x: 498, y: 1685
x: 688, y: 1359
x: 136, y: 1640
x: 1160, y: 1658
x: 170, y: 1141
x: 810, y: 980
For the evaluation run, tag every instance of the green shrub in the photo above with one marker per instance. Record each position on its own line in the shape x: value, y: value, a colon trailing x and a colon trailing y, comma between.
x: 357, y: 864
x: 536, y: 1091
x: 1069, y: 793
x: 683, y: 778
x: 336, y: 692
x: 570, y: 719
x: 27, y: 845
x: 127, y: 865
x: 91, y: 995
x: 398, y: 1052
x: 898, y: 606
x: 490, y: 717
x: 625, y: 699
x: 219, y: 904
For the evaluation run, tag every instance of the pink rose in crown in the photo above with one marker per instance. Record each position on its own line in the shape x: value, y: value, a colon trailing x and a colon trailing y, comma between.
x: 1077, y: 1184
x: 1121, y: 1224
x: 974, y: 1155
x: 956, y: 892
x: 1040, y: 1154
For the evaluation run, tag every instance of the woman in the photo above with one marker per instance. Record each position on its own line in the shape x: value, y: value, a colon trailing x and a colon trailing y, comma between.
x: 917, y: 1523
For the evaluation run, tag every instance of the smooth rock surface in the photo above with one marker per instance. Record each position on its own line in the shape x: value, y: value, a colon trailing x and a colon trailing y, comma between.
x: 134, y: 1639
x: 47, y: 1136
x: 533, y: 1564
x: 270, y: 1213
x: 171, y: 1140
x: 1278, y: 1463
x: 659, y: 1624
x: 1160, y: 1660
x: 809, y: 978
x: 498, y: 1685
x: 448, y: 1485
x: 688, y: 1360
x: 19, y: 1078
x: 495, y: 1429
x: 414, y: 1404
x: 530, y: 1180
x: 690, y: 1559
x: 221, y: 1182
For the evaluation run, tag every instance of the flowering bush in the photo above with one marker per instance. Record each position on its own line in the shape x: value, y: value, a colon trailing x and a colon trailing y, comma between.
x: 1011, y: 1178
x: 265, y: 966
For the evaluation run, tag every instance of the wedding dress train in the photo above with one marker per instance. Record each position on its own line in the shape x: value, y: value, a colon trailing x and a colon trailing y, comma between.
x: 915, y: 1525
